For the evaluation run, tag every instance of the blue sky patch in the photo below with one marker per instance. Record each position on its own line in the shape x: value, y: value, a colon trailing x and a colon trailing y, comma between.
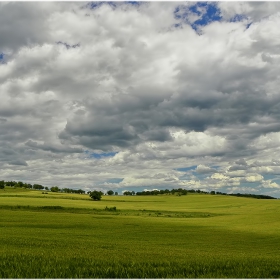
x: 1, y: 56
x: 68, y: 46
x: 208, y: 12
x: 215, y: 166
x: 237, y: 18
x: 268, y: 177
x: 201, y: 176
x: 275, y: 180
x: 114, y: 180
x: 184, y: 169
x: 249, y: 184
x: 94, y: 5
x: 212, y: 14
x: 101, y: 155
x: 197, y: 175
x: 248, y: 25
x: 134, y: 3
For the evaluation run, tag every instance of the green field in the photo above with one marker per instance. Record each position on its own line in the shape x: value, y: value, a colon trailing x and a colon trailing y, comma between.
x: 58, y: 235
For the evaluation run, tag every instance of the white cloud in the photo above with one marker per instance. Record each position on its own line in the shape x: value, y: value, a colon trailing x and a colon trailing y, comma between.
x: 254, y: 178
x: 204, y: 169
x: 255, y: 11
x: 219, y: 176
x: 271, y: 185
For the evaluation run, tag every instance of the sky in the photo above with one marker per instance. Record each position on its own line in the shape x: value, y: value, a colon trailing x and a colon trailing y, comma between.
x: 141, y: 95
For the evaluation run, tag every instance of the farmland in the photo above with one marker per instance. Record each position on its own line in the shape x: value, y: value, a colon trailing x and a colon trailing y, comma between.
x: 58, y: 235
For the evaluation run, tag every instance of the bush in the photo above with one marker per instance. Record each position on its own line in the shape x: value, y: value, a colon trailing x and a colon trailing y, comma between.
x: 111, y: 208
x: 52, y: 207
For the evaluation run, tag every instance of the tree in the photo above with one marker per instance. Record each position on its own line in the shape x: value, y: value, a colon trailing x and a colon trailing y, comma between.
x: 116, y: 193
x: 96, y: 195
x: 55, y: 189
x: 80, y: 191
x: 2, y: 184
x: 110, y: 192
x: 38, y: 187
x: 127, y: 193
x: 10, y: 183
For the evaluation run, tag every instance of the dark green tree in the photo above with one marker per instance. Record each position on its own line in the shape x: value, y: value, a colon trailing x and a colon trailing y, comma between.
x: 127, y: 193
x: 55, y: 189
x: 96, y: 195
x: 110, y: 192
x: 116, y: 193
x: 38, y: 187
x: 2, y: 184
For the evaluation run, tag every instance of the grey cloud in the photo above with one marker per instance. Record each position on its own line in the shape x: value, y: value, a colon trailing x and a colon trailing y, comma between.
x: 224, y: 105
x: 237, y: 167
x: 102, y: 134
x: 272, y: 162
x: 7, y: 152
x: 241, y: 161
x: 21, y: 30
x: 158, y: 135
x: 18, y: 162
x: 30, y: 24
x: 239, y: 164
x: 52, y: 148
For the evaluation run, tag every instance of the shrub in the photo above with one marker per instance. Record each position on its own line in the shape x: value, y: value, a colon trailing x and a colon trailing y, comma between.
x: 111, y: 208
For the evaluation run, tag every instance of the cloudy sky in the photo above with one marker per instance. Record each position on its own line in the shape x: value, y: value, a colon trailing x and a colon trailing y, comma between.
x: 141, y: 95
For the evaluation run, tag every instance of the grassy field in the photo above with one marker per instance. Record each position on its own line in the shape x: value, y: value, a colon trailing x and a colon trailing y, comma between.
x: 59, y: 235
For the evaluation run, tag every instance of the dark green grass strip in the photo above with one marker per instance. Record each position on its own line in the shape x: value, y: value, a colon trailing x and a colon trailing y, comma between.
x: 108, y: 211
x: 24, y: 266
x: 46, y: 196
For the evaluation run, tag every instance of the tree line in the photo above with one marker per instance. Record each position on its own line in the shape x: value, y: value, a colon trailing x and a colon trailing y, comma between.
x: 96, y: 195
x: 20, y: 184
x: 181, y: 191
x: 178, y: 192
x: 258, y: 196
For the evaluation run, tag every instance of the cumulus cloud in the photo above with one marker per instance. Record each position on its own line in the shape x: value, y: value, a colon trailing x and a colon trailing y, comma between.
x: 254, y: 11
x: 158, y: 86
x: 254, y: 178
x: 219, y: 176
x: 204, y: 169
x: 271, y: 185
